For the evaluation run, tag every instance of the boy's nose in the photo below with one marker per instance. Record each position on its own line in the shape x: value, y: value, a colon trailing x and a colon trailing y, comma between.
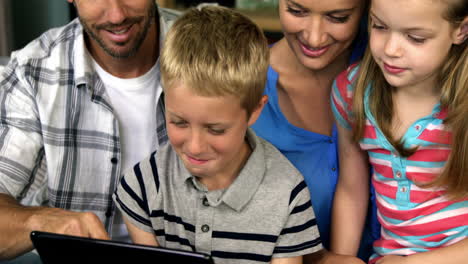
x: 195, y: 144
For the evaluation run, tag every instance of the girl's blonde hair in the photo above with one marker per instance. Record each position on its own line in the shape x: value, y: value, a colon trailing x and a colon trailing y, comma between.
x: 453, y: 83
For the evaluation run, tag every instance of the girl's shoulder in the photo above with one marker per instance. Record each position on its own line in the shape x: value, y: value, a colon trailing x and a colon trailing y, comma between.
x: 343, y: 84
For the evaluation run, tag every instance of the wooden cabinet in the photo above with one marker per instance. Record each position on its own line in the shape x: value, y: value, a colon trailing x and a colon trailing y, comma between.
x: 267, y: 19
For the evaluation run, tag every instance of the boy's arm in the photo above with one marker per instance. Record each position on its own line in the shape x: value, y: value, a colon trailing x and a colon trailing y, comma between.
x: 139, y: 236
x: 351, y: 196
x: 453, y: 254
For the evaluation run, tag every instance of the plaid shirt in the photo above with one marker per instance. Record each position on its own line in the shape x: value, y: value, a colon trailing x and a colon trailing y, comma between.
x: 59, y: 136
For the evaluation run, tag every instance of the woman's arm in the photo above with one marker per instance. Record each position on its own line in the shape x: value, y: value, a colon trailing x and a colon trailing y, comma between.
x: 139, y: 236
x: 351, y: 197
x: 326, y: 257
x: 292, y: 260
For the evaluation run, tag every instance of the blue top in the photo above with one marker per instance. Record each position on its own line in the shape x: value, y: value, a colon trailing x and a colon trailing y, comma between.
x: 314, y: 155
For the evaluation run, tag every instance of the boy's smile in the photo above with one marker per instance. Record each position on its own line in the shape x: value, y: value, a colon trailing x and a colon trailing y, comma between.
x: 208, y: 134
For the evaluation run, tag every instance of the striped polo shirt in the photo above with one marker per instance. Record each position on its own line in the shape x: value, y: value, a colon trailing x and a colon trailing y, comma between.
x: 413, y: 219
x: 265, y: 213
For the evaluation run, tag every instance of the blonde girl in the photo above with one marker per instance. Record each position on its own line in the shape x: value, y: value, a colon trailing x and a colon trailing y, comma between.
x: 404, y: 109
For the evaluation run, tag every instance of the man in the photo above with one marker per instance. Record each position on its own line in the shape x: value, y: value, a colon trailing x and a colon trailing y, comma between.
x: 78, y: 106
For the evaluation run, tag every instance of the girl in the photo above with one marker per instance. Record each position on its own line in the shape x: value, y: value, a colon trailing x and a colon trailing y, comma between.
x: 407, y: 106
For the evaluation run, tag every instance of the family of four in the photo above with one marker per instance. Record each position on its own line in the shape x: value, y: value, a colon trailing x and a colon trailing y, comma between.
x: 189, y: 131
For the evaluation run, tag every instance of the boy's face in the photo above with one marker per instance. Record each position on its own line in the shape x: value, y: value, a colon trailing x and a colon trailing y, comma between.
x: 208, y: 133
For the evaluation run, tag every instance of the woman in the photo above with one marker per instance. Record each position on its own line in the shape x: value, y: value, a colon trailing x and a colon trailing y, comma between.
x: 321, y: 39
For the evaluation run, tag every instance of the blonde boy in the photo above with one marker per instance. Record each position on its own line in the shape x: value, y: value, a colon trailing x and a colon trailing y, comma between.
x: 217, y: 188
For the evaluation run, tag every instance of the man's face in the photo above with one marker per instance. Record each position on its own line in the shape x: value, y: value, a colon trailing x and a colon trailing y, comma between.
x: 117, y: 27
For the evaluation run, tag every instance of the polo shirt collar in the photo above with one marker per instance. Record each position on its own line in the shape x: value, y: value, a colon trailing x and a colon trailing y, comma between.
x: 250, y: 177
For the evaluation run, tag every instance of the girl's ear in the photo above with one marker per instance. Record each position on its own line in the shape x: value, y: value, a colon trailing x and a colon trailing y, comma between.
x: 461, y: 34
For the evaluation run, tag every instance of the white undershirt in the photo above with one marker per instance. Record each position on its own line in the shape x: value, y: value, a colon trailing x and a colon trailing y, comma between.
x: 134, y: 102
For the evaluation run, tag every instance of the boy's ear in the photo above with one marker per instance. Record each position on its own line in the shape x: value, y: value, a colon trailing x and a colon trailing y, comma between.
x: 258, y: 110
x: 461, y: 34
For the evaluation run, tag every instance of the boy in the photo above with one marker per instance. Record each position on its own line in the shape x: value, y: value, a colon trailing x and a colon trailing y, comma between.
x: 217, y: 188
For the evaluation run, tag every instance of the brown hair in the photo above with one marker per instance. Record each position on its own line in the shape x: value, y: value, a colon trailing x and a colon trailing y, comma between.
x: 453, y: 80
x: 216, y: 51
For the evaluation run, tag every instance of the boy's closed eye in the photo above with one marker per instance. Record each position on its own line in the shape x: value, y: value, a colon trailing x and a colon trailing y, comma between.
x: 216, y: 131
x: 178, y: 123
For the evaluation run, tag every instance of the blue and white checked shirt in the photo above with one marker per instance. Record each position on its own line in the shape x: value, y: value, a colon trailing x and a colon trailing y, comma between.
x: 59, y: 136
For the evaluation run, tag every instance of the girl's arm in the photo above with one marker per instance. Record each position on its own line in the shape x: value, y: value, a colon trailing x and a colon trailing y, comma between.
x: 351, y: 198
x: 453, y: 254
x: 139, y: 236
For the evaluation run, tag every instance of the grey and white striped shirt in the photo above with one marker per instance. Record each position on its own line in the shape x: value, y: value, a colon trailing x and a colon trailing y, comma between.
x: 265, y: 213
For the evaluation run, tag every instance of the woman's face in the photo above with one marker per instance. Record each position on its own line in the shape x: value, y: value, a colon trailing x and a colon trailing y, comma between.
x: 317, y: 31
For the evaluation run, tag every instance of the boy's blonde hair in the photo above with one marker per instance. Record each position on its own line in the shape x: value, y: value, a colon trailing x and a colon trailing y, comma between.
x: 216, y: 51
x: 453, y: 83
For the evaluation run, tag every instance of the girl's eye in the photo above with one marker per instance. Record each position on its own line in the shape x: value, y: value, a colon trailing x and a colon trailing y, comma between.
x: 415, y: 39
x: 377, y: 26
x: 338, y: 19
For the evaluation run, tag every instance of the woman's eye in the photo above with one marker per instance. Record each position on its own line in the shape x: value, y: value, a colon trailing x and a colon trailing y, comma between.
x: 339, y: 19
x: 294, y: 11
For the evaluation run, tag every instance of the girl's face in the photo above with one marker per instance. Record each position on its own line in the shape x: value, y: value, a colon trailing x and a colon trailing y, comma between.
x: 409, y: 40
x: 320, y: 31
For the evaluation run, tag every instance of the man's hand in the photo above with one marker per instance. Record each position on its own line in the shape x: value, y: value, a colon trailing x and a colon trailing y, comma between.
x: 60, y: 221
x: 17, y: 222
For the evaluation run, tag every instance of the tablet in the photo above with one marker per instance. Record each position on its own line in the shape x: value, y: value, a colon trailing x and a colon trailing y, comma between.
x: 56, y: 248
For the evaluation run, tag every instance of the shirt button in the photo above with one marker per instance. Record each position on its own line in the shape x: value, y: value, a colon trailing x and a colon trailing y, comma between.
x: 403, y: 189
x: 417, y: 127
x: 205, y: 228
x: 205, y: 202
x: 333, y: 169
x: 398, y: 174
x: 109, y: 212
x: 330, y: 141
x: 114, y: 160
